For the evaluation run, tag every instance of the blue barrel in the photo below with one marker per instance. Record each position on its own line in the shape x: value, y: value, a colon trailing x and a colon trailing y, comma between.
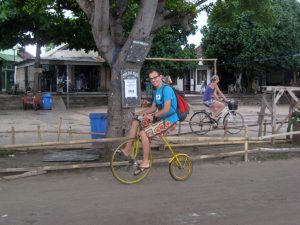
x: 98, y: 123
x: 47, y: 101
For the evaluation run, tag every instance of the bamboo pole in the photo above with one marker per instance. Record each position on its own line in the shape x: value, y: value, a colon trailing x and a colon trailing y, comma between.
x: 181, y: 60
x: 107, y: 164
x: 103, y: 140
x: 278, y: 135
x: 26, y: 174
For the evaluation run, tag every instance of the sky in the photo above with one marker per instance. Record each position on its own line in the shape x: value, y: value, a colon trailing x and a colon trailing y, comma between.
x: 192, y: 39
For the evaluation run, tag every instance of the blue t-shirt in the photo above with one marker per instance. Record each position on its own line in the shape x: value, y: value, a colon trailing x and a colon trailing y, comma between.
x: 168, y: 95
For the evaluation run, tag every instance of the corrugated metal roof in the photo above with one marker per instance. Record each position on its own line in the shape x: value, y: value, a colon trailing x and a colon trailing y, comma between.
x: 10, y: 58
x: 64, y: 54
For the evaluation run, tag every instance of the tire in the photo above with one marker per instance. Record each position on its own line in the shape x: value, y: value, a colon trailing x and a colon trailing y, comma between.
x: 180, y: 167
x: 200, y: 123
x: 123, y: 168
x: 233, y: 122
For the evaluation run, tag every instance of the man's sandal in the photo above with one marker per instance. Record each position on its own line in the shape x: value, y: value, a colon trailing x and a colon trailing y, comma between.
x: 123, y: 156
x: 139, y: 170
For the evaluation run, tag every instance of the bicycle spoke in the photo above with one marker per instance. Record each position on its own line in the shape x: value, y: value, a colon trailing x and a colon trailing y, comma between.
x: 180, y: 167
x: 200, y: 123
x: 233, y: 122
x: 124, y: 167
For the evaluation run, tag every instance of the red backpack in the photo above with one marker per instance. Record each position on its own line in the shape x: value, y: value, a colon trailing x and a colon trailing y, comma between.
x: 182, y: 105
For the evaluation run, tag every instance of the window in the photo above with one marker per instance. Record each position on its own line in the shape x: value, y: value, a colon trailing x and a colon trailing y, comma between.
x: 201, y: 76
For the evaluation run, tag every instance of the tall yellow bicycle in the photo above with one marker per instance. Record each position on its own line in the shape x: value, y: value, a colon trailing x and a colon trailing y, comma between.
x: 123, y: 168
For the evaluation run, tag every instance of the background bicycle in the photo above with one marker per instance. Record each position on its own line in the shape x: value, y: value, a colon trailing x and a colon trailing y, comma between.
x: 236, y: 88
x: 232, y: 121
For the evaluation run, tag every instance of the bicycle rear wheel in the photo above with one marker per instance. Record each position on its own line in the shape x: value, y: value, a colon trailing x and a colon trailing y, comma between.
x: 180, y: 167
x: 233, y: 122
x: 123, y: 167
x: 200, y: 123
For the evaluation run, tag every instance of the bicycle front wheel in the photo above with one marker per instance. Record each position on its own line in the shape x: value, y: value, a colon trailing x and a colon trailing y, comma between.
x: 200, y: 123
x: 180, y: 167
x: 123, y: 167
x: 233, y: 122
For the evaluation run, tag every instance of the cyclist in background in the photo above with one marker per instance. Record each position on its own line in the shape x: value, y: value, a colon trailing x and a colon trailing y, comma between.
x: 215, y: 104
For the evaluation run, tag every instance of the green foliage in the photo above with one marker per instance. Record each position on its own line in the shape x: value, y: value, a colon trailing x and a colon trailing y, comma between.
x: 225, y: 11
x: 253, y: 46
x: 179, y: 6
x: 170, y: 42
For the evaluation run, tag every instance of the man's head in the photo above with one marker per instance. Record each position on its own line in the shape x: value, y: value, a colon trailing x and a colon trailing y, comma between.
x: 155, y: 78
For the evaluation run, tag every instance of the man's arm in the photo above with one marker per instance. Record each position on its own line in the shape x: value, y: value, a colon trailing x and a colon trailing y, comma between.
x: 165, y: 110
x: 149, y: 110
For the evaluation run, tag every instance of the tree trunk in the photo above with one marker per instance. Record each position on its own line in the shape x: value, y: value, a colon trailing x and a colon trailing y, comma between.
x: 118, y: 118
x: 37, y: 69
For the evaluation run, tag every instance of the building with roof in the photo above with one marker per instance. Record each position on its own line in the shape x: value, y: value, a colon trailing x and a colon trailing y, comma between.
x: 8, y: 59
x: 84, y: 71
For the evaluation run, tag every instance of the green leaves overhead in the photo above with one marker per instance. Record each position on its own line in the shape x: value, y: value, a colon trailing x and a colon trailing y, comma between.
x: 249, y: 45
x: 225, y: 11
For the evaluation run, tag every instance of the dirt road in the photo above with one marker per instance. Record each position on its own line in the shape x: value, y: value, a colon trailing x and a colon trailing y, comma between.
x: 253, y: 193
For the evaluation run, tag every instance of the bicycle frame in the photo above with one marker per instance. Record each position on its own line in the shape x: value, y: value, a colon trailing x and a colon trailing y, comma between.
x: 175, y: 155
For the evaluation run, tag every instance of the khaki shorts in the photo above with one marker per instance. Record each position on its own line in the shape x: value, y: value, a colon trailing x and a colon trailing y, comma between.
x: 161, y: 127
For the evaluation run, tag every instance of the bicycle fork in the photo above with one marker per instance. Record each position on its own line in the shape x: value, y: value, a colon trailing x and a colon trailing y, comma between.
x: 175, y: 155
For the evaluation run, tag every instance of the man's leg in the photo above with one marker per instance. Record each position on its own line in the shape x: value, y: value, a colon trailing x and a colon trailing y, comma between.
x: 132, y: 134
x: 146, y: 149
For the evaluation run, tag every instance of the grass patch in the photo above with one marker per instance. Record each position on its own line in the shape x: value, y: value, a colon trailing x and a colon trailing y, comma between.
x: 5, y: 153
x: 272, y: 156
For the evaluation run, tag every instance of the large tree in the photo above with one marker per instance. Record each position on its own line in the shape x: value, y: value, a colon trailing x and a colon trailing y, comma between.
x: 114, y: 40
x: 30, y: 22
x: 253, y: 47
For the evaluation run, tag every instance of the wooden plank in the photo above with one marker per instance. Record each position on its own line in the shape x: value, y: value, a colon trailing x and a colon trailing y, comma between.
x: 293, y: 95
x: 26, y: 174
x: 279, y: 94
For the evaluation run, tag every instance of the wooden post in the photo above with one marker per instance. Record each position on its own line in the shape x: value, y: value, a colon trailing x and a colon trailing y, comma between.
x: 179, y: 128
x: 39, y: 133
x: 246, y: 144
x: 261, y: 116
x: 274, y: 112
x: 13, y: 136
x: 70, y: 133
x: 265, y: 128
x: 58, y: 132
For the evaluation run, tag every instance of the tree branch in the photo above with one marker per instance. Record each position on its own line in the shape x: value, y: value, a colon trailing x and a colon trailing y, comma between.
x: 165, y: 17
x: 86, y: 6
x: 117, y: 31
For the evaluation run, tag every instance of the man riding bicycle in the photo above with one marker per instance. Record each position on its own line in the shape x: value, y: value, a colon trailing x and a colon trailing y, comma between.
x: 157, y: 119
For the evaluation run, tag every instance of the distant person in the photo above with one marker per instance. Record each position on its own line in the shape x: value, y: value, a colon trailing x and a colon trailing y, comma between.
x: 212, y: 95
x: 167, y: 80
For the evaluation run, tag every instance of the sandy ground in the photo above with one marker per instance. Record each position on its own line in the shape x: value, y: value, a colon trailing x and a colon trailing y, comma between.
x: 78, y: 119
x: 255, y: 193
